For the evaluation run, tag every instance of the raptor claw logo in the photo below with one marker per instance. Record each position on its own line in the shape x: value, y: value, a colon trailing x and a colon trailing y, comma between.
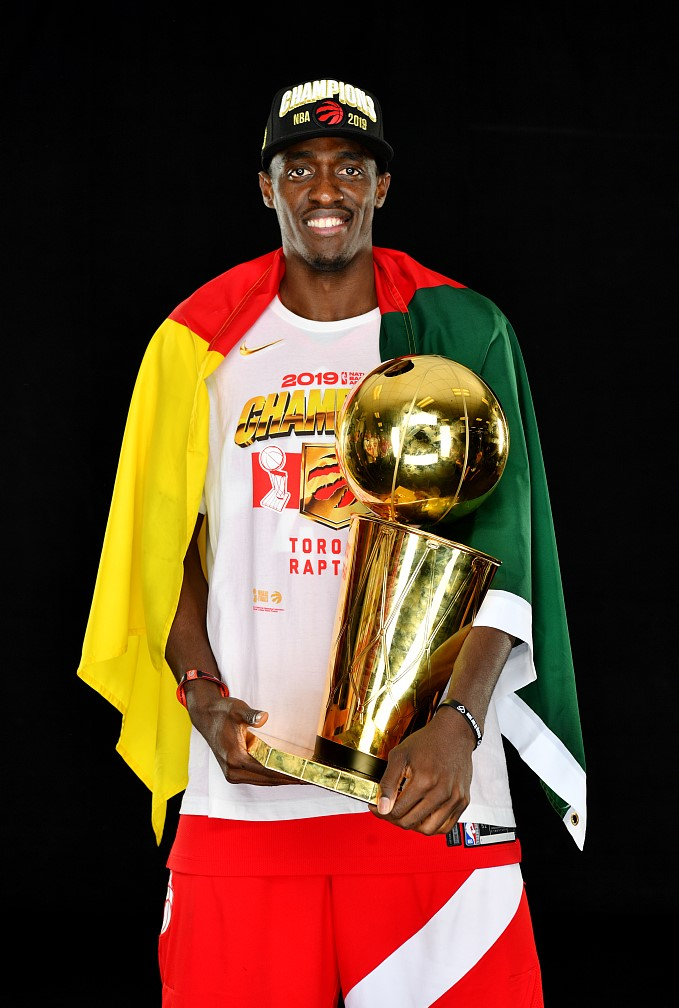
x: 327, y: 481
x: 324, y: 494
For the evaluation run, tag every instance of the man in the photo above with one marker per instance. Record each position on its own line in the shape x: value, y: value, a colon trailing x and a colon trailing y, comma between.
x: 281, y: 891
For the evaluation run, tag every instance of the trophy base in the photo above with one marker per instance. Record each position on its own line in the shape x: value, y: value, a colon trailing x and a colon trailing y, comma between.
x: 311, y: 765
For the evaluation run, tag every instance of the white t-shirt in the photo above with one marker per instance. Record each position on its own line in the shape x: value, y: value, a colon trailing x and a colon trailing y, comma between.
x: 278, y: 513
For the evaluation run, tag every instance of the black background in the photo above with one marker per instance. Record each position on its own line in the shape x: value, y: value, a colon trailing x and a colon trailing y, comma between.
x: 536, y: 163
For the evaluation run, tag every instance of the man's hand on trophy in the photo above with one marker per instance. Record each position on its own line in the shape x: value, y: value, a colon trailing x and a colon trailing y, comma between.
x: 224, y: 723
x: 426, y: 786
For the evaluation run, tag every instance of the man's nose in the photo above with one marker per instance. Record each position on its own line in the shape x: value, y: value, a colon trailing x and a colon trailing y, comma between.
x: 326, y: 188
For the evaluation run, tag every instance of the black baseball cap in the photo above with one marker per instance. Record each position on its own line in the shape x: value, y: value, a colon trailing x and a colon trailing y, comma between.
x: 319, y: 108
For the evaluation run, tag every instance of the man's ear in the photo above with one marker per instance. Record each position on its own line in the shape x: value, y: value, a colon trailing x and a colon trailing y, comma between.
x: 383, y: 182
x: 267, y: 189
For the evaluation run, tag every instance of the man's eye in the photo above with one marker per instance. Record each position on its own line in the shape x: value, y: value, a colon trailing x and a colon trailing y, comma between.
x: 298, y: 172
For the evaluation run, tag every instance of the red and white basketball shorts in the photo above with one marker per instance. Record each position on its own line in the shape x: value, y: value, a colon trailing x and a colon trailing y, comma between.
x: 411, y: 938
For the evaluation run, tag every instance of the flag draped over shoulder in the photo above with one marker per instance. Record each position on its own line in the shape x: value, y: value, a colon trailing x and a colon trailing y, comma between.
x: 158, y: 489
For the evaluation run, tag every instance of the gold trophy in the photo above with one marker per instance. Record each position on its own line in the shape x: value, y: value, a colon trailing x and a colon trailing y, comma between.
x: 421, y: 438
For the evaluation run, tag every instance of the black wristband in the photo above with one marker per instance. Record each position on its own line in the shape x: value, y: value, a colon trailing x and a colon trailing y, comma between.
x: 473, y: 723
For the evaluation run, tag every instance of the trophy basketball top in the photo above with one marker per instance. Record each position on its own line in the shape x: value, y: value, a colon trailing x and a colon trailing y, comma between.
x: 422, y: 438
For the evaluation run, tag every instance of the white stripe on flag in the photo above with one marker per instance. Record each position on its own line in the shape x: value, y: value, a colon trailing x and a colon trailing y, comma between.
x: 448, y: 945
x: 547, y: 755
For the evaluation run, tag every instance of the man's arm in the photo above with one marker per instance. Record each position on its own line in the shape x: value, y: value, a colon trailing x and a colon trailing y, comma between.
x: 224, y: 722
x: 427, y: 784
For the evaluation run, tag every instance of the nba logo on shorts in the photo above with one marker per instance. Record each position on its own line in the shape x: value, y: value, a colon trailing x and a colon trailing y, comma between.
x: 471, y: 834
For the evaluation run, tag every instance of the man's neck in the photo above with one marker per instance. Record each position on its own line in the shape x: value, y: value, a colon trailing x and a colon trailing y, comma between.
x: 332, y: 296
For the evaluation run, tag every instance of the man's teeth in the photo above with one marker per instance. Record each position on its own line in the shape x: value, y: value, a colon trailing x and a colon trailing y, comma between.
x: 325, y: 222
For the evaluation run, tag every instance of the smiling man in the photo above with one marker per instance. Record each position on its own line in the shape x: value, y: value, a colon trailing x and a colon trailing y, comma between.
x: 216, y: 597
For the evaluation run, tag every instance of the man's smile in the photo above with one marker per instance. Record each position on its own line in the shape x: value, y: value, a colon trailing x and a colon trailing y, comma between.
x: 325, y: 222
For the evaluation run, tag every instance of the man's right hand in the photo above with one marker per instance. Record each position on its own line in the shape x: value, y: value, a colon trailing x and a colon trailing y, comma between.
x: 225, y: 723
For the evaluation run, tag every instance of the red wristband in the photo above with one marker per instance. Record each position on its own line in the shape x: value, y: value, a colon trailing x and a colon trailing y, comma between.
x: 195, y: 673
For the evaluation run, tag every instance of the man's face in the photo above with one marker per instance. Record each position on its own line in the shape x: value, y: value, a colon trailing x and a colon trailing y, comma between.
x: 324, y: 192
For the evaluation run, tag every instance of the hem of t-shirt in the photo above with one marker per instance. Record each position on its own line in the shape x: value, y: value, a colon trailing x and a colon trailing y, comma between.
x: 265, y: 810
x: 341, y: 805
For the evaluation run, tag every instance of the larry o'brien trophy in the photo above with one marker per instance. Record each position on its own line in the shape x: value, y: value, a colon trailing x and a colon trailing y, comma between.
x: 421, y: 438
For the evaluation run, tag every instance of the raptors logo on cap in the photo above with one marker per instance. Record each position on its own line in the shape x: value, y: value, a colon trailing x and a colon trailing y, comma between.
x: 329, y: 113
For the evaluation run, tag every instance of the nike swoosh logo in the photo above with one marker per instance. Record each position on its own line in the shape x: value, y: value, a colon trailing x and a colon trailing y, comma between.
x: 245, y: 351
